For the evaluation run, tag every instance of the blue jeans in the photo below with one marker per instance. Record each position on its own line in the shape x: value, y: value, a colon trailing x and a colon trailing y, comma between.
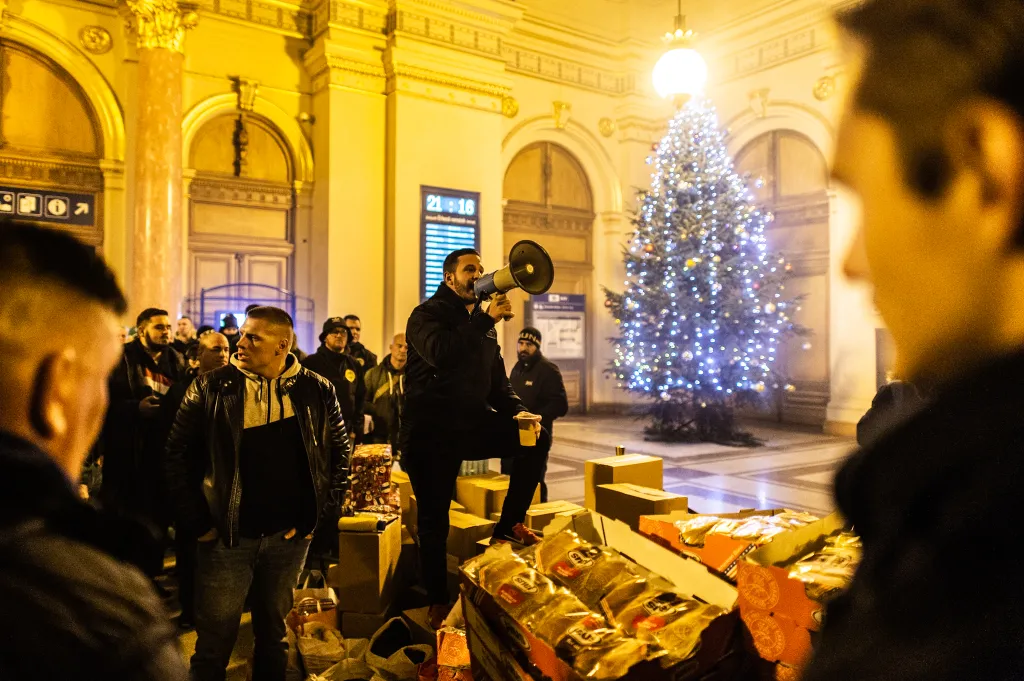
x: 269, y: 567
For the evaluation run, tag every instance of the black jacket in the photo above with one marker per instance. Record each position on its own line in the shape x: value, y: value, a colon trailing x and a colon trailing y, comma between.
x: 72, y: 608
x: 892, y: 403
x: 347, y: 378
x: 365, y: 359
x: 455, y: 371
x: 132, y: 445
x: 209, y: 427
x: 538, y: 382
x: 938, y: 594
x: 385, y: 402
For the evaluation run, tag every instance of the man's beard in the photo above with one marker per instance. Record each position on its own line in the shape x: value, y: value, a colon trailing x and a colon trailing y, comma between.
x: 155, y: 344
x: 524, y: 355
x: 467, y: 292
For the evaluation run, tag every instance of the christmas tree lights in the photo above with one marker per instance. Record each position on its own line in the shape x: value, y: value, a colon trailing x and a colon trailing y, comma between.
x: 704, y: 314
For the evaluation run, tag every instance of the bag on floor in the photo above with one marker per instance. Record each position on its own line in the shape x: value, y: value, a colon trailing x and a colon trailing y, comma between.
x: 312, y: 603
x: 392, y: 653
x: 347, y: 670
x: 322, y: 648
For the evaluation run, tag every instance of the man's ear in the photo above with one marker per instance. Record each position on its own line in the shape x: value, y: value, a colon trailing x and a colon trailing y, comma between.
x: 52, y: 389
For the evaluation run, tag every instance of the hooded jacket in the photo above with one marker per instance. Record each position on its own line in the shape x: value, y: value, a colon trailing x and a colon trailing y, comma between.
x: 209, y: 424
x: 455, y: 371
x: 385, y: 390
x: 538, y: 381
x: 347, y: 378
x: 938, y: 593
x: 365, y: 359
x: 74, y: 608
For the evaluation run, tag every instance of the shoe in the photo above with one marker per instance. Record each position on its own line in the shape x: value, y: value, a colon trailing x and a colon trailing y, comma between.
x: 437, y: 614
x: 525, y: 535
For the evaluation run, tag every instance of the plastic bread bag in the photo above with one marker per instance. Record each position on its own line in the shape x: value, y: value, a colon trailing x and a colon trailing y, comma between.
x: 492, y: 576
x: 555, y: 549
x: 588, y: 570
x: 518, y: 589
x: 633, y: 584
x: 496, y: 553
x: 828, y: 571
x: 601, y: 654
x: 671, y: 621
x: 693, y: 530
x: 560, y: 614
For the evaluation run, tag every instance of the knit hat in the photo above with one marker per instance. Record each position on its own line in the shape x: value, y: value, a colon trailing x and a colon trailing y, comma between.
x: 332, y: 324
x: 229, y: 322
x: 530, y: 335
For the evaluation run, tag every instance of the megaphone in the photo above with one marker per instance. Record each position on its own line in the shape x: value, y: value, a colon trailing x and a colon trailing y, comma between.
x: 529, y: 268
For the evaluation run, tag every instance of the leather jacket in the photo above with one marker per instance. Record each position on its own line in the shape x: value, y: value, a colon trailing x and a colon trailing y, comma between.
x: 208, y: 431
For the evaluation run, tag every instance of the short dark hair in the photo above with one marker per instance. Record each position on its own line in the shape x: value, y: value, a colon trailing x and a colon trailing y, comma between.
x: 249, y: 308
x: 275, y: 315
x: 924, y: 59
x: 351, y: 318
x: 192, y: 351
x: 28, y: 252
x: 148, y: 314
x: 184, y: 316
x: 451, y: 261
x: 203, y: 329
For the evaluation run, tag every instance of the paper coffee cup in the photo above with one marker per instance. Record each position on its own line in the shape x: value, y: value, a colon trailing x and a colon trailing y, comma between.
x: 527, y: 435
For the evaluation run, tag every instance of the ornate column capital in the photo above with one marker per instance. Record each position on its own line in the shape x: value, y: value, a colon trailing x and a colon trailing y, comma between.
x: 160, y: 23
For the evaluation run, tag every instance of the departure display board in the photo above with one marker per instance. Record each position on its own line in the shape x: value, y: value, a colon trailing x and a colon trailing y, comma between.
x: 450, y: 220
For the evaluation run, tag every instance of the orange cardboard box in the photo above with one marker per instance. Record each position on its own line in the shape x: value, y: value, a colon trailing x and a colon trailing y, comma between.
x: 777, y: 638
x: 628, y: 502
x: 762, y: 585
x: 720, y: 553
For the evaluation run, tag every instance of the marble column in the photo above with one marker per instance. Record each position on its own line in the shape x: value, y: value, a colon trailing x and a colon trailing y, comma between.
x: 159, y: 26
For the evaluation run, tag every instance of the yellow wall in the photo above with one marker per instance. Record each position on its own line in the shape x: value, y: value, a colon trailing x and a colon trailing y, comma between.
x: 371, y: 113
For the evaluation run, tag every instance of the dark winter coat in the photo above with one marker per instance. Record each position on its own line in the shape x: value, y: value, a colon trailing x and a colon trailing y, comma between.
x: 455, y: 371
x: 347, y: 378
x: 385, y: 402
x: 133, y: 445
x: 936, y: 500
x: 538, y: 382
x: 363, y: 357
x: 72, y: 608
x: 893, y: 403
x: 209, y: 426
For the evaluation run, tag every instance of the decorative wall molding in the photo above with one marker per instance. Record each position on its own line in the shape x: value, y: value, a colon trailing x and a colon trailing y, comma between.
x: 522, y: 217
x: 159, y: 23
x: 95, y: 39
x: 772, y: 52
x: 290, y: 19
x: 560, y: 70
x: 637, y: 129
x: 452, y: 33
x: 56, y: 173
x: 232, y: 191
x: 330, y: 69
x: 348, y: 15
x: 451, y: 88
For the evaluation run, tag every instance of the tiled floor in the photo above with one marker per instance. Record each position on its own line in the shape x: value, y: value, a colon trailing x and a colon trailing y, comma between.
x: 793, y: 469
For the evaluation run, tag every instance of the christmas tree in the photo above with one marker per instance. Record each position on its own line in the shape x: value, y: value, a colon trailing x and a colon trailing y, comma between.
x: 704, y: 313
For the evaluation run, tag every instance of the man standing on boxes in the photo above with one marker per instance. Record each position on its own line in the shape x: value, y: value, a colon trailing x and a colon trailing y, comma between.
x: 538, y: 382
x: 460, y: 407
x: 275, y: 455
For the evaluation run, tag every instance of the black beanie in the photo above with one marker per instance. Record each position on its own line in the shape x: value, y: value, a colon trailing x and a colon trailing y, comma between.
x: 530, y: 335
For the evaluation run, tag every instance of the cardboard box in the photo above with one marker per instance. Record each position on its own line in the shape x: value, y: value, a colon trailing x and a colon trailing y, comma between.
x: 627, y: 502
x: 779, y: 618
x: 720, y: 553
x: 540, y: 515
x: 401, y: 480
x: 493, y: 633
x: 465, y: 531
x: 364, y: 577
x: 418, y: 620
x: 484, y: 495
x: 762, y: 585
x: 637, y: 469
x: 456, y: 506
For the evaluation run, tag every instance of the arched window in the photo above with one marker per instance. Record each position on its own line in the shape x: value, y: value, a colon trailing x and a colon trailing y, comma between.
x: 548, y: 199
x: 789, y: 177
x: 50, y: 144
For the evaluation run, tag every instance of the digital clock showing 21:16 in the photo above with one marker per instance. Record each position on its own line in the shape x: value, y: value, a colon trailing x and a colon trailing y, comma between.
x: 452, y: 205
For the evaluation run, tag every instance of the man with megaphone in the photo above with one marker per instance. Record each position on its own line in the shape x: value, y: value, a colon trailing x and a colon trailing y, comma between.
x: 460, y: 405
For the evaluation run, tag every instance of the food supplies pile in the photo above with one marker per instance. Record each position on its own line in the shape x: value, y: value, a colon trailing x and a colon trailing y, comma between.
x: 579, y: 607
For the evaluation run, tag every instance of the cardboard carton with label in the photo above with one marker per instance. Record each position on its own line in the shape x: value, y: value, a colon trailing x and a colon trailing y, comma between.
x: 636, y: 469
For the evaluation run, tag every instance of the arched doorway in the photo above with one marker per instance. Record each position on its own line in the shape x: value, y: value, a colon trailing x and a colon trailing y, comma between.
x: 789, y: 177
x: 241, y: 205
x: 548, y: 199
x: 50, y: 146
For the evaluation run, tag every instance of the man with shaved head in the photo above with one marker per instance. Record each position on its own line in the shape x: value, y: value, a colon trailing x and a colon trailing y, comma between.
x: 75, y: 609
x: 385, y: 395
x: 272, y: 451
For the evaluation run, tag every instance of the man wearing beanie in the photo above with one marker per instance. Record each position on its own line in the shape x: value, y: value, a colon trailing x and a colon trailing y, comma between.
x: 331, y: 361
x: 538, y: 382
